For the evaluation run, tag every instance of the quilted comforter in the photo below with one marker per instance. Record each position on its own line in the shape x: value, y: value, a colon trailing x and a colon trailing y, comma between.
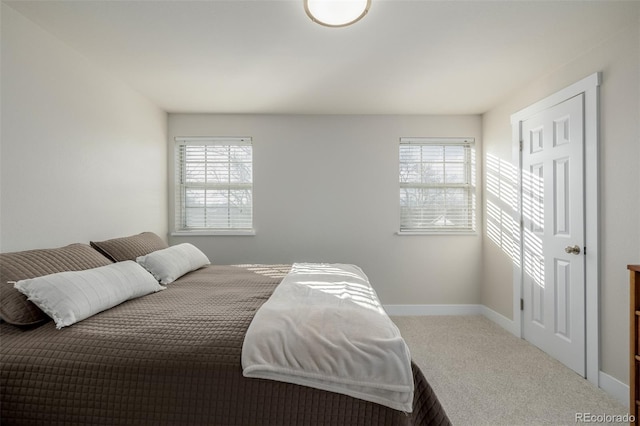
x: 173, y: 358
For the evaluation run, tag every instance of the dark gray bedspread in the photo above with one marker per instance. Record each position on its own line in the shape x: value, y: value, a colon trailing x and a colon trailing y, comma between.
x: 173, y: 358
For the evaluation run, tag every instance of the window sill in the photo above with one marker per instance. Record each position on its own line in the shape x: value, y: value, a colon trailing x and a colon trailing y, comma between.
x: 218, y: 233
x: 435, y: 233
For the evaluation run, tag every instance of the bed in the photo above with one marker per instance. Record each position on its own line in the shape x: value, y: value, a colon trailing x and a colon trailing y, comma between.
x: 171, y: 357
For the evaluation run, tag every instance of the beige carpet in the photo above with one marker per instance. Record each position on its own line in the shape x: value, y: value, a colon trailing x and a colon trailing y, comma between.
x: 483, y: 375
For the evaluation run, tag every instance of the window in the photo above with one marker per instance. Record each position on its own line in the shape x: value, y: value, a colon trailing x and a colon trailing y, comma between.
x: 437, y: 185
x: 214, y: 185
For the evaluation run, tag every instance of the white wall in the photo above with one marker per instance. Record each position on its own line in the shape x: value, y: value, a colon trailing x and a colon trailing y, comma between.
x: 619, y: 60
x: 83, y: 156
x: 326, y: 190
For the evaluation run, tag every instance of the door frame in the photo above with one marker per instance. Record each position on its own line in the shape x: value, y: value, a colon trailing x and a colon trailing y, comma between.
x: 589, y: 86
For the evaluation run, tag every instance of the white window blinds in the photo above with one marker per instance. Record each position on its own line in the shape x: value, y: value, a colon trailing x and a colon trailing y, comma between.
x: 214, y: 184
x: 437, y: 185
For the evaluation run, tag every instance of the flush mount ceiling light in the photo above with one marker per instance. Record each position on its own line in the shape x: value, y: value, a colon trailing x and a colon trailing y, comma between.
x: 336, y: 13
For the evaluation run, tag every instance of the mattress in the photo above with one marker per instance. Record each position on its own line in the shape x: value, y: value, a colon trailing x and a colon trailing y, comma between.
x: 173, y: 358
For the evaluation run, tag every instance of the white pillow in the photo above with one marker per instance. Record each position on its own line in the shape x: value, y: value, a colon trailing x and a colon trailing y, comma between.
x: 69, y: 297
x: 169, y: 264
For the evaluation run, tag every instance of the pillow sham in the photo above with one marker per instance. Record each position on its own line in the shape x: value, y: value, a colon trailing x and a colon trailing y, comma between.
x: 14, y: 307
x: 69, y: 297
x: 171, y: 263
x: 130, y: 248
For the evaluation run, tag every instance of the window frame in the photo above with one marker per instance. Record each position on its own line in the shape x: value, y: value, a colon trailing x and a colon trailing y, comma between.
x: 179, y: 197
x: 469, y: 186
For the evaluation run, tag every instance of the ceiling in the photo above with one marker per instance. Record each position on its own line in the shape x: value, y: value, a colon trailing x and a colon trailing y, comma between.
x: 259, y: 56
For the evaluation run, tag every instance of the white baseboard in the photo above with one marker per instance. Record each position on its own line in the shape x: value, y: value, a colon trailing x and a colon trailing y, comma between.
x: 419, y: 310
x: 501, y: 320
x: 615, y: 388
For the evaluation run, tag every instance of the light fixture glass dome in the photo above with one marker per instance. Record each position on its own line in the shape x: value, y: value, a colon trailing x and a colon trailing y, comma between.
x: 336, y: 13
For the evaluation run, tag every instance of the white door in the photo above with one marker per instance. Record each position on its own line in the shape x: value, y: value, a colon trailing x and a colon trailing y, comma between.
x: 553, y: 262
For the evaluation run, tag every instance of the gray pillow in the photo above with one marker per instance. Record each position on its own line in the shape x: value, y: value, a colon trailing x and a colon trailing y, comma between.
x: 130, y: 248
x: 14, y: 306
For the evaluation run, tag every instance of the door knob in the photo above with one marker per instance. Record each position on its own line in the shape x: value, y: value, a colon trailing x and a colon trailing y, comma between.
x: 572, y: 249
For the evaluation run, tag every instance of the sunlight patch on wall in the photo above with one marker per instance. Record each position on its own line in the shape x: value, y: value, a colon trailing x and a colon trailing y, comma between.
x: 501, y: 204
x: 501, y: 209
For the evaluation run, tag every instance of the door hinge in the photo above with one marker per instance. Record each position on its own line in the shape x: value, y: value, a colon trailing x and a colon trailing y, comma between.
x: 521, y: 143
x: 522, y: 304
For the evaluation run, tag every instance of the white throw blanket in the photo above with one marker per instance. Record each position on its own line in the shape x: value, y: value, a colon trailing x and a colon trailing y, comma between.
x: 324, y: 327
